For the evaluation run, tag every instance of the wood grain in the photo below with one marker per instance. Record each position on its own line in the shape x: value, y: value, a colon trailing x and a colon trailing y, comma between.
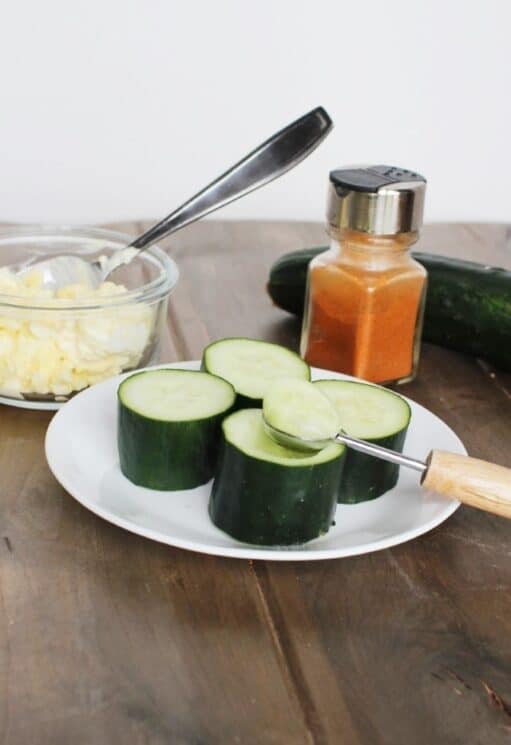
x: 473, y: 481
x: 108, y: 638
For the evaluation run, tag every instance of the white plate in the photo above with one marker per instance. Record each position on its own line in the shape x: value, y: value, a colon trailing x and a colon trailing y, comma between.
x: 82, y: 454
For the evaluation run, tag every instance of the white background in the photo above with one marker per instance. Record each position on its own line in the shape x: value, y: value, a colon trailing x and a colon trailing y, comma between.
x: 115, y: 109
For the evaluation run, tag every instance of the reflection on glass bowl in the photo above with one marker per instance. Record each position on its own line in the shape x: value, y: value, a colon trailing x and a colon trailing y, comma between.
x: 55, y: 343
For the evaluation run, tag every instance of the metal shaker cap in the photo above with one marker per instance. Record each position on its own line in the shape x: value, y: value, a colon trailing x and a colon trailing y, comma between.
x: 381, y: 200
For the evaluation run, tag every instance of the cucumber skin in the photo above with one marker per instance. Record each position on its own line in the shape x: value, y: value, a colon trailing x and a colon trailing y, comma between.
x: 244, y: 402
x: 168, y: 456
x: 468, y: 308
x: 365, y: 478
x: 468, y: 305
x: 270, y: 504
x: 288, y: 279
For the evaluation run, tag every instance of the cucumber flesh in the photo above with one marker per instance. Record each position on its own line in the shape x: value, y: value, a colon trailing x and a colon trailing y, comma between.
x: 269, y: 495
x: 251, y: 366
x: 365, y: 411
x: 374, y: 414
x: 175, y: 395
x: 300, y: 409
x: 245, y: 430
x: 169, y: 427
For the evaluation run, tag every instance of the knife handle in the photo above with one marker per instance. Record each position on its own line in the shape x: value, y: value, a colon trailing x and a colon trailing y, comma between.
x: 475, y: 482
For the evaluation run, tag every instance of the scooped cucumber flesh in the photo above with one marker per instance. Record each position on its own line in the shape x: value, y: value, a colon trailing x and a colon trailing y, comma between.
x: 300, y: 409
x: 372, y: 413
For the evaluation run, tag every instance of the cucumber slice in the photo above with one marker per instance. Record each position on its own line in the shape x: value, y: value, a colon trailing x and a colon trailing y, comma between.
x: 169, y: 426
x: 300, y: 409
x: 371, y: 413
x: 269, y: 495
x: 251, y: 366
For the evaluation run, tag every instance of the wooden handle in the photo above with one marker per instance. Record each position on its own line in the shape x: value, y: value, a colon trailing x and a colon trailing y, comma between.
x: 471, y: 481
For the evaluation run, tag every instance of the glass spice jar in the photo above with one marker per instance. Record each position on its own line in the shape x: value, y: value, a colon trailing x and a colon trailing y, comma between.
x: 365, y: 295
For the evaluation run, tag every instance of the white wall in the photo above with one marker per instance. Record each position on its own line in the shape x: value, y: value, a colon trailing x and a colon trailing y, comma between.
x: 123, y: 108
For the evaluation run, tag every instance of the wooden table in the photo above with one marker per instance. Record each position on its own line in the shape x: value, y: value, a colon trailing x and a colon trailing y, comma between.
x: 109, y: 638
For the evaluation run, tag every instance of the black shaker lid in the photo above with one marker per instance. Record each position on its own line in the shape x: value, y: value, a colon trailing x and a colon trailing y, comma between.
x: 372, y: 178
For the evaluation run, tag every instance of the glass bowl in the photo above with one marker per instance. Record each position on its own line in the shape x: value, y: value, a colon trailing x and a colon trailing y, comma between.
x: 51, y: 347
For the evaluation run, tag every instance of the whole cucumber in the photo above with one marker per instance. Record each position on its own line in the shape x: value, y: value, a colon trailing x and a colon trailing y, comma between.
x: 468, y: 306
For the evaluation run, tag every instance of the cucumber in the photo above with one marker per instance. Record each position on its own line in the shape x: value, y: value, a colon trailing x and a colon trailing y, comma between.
x: 468, y: 305
x: 288, y: 279
x: 300, y: 409
x: 268, y: 495
x: 169, y: 427
x: 372, y: 413
x: 468, y: 308
x: 251, y: 366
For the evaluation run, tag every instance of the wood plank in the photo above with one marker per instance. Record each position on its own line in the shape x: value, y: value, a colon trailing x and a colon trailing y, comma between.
x: 483, y: 242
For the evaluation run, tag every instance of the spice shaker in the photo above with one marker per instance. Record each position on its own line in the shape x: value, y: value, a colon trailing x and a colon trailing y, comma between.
x: 365, y: 294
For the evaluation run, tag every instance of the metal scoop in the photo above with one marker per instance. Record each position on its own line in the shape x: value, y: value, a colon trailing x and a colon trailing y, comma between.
x: 474, y: 482
x: 272, y: 159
